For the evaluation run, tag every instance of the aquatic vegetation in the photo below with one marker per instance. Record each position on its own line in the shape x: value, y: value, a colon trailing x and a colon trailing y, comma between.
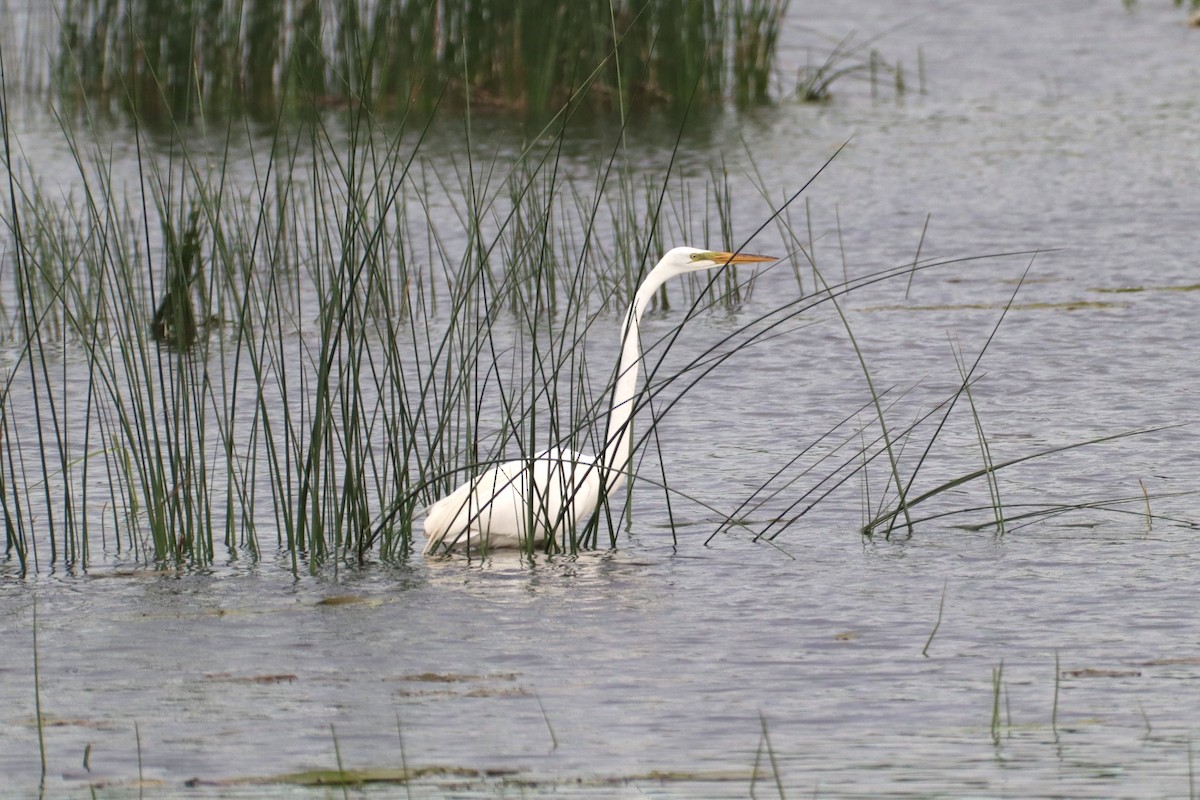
x: 305, y: 361
x: 289, y: 351
x: 451, y: 330
x: 303, y: 353
x: 852, y: 59
x: 999, y: 687
x: 1193, y: 5
x: 204, y: 57
x: 335, y: 362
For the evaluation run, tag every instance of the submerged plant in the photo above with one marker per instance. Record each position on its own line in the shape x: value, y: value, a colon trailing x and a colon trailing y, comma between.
x: 815, y: 80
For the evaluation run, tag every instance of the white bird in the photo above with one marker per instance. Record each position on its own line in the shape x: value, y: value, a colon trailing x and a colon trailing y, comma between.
x: 521, y: 503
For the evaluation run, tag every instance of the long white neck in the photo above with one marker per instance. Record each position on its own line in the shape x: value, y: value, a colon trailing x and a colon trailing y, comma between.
x: 618, y: 438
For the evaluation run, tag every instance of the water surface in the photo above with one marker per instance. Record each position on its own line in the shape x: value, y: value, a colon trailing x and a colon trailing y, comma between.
x: 655, y: 670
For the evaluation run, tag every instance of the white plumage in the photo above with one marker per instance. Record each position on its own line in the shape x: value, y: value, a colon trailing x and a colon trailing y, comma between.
x: 521, y: 503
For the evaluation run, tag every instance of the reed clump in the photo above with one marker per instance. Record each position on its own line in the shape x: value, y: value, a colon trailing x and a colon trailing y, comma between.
x: 297, y: 338
x: 293, y: 350
x: 186, y: 58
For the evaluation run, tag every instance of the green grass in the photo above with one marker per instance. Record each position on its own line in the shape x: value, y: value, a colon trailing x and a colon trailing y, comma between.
x: 764, y: 744
x: 292, y: 334
x: 37, y: 695
x: 906, y: 451
x: 298, y: 356
x: 997, y: 689
x: 850, y: 59
x: 174, y: 61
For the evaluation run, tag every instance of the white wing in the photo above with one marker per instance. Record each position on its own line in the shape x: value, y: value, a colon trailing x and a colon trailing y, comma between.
x: 514, y: 501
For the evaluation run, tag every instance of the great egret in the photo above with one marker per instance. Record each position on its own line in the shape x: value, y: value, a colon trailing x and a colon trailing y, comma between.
x: 521, y: 503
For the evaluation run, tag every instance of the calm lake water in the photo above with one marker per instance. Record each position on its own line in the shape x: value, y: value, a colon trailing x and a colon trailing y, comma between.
x: 1067, y: 658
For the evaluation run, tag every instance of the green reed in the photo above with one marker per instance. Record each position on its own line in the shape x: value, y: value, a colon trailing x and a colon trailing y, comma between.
x: 837, y: 456
x: 764, y: 744
x: 37, y: 694
x: 849, y: 59
x: 300, y: 348
x: 185, y: 59
x: 307, y: 336
x: 997, y: 688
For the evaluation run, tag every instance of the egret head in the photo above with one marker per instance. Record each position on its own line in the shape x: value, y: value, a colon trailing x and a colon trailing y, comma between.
x: 691, y: 259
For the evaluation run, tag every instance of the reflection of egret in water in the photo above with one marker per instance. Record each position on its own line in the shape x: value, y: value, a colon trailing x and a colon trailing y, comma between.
x: 522, y: 503
x: 590, y: 582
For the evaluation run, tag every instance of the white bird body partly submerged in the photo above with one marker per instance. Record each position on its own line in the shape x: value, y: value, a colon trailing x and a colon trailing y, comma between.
x: 550, y: 493
x: 523, y: 502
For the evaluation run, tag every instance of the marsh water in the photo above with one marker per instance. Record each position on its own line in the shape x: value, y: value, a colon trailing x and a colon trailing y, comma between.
x: 1058, y: 658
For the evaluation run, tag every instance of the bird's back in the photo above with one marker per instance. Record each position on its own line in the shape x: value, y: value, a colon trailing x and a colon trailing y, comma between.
x: 547, y: 495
